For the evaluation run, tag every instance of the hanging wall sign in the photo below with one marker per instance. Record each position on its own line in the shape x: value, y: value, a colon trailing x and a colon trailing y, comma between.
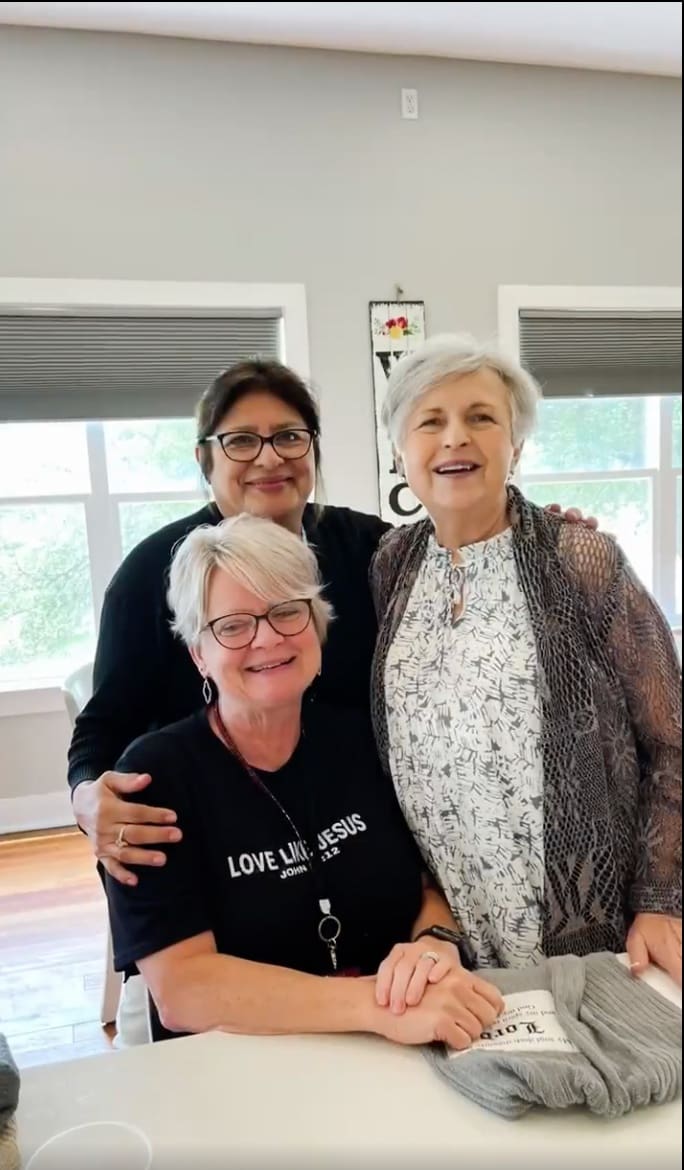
x: 397, y: 327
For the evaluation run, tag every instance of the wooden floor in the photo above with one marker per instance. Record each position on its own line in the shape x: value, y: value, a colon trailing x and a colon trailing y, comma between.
x: 52, y: 948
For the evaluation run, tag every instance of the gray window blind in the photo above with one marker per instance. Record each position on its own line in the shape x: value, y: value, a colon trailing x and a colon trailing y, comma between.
x: 602, y: 353
x: 114, y: 364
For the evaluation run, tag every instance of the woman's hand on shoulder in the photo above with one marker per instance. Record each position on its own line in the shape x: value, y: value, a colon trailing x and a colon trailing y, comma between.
x: 455, y: 1011
x: 120, y: 830
x: 410, y: 968
x: 573, y: 516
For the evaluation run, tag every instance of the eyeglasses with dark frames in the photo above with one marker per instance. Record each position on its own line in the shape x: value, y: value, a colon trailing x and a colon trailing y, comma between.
x: 234, y: 631
x: 246, y: 446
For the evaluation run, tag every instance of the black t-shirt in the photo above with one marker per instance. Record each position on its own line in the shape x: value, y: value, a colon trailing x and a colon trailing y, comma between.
x: 143, y: 675
x: 239, y: 871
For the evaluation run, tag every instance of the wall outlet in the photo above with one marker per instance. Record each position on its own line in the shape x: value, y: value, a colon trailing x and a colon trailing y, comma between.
x: 409, y: 103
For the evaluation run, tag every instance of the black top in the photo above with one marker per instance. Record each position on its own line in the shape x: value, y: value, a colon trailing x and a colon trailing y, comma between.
x: 143, y: 676
x: 239, y: 871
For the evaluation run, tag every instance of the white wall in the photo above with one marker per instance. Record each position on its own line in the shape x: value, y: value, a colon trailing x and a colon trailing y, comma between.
x: 33, y: 794
x: 129, y: 157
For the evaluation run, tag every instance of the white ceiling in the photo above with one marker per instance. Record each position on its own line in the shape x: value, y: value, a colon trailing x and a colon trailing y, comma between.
x: 632, y: 37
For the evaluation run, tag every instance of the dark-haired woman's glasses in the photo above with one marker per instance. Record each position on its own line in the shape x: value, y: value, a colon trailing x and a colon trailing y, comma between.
x: 246, y: 446
x: 234, y: 631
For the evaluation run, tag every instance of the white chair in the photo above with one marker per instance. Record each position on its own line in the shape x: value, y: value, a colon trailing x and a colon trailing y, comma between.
x: 76, y: 690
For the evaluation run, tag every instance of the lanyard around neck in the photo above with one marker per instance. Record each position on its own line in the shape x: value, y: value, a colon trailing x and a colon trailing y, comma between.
x: 329, y: 926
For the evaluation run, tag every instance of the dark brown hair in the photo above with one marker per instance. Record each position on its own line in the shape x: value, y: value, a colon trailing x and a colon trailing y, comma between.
x: 254, y: 377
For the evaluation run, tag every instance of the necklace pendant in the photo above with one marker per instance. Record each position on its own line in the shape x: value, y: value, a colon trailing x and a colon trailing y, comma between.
x: 333, y: 955
x: 329, y: 929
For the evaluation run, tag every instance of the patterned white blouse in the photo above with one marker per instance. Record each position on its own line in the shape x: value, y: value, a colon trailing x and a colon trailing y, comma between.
x: 464, y: 723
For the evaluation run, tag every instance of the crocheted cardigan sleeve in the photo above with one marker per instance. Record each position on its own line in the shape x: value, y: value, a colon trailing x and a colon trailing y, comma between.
x: 641, y: 647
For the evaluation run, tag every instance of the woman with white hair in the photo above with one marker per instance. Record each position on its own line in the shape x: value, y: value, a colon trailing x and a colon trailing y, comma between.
x: 526, y: 689
x: 295, y: 863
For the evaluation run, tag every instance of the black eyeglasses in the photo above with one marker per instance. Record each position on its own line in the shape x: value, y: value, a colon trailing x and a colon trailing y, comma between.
x: 234, y: 631
x: 246, y: 446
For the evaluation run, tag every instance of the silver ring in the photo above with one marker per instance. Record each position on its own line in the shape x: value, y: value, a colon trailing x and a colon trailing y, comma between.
x: 120, y: 839
x: 431, y: 955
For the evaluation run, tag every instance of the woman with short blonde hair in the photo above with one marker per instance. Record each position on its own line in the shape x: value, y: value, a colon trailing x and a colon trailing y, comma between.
x: 295, y: 863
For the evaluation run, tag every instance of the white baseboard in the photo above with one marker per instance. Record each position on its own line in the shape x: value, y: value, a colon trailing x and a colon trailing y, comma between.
x: 24, y: 814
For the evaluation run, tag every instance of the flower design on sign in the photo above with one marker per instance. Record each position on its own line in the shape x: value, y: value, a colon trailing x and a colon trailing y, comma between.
x: 394, y: 327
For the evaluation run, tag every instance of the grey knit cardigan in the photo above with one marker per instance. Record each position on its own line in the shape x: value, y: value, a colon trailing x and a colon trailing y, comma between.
x: 610, y: 683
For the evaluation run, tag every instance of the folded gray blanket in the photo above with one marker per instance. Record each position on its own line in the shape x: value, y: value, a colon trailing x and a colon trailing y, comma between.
x: 9, y: 1083
x: 578, y: 1031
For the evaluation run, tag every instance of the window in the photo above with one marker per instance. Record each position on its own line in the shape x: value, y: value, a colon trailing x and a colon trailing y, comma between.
x: 74, y: 499
x: 609, y: 440
x: 610, y: 430
x: 619, y: 459
x: 46, y: 610
x: 76, y: 496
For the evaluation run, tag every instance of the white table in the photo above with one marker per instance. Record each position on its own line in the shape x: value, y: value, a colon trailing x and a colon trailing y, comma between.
x: 296, y: 1102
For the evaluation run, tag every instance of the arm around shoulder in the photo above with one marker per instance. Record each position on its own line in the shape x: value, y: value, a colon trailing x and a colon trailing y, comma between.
x: 124, y: 682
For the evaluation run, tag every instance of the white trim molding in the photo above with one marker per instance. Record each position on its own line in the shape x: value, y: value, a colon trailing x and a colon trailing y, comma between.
x: 514, y: 297
x: 39, y: 699
x: 55, y: 293
x: 26, y: 814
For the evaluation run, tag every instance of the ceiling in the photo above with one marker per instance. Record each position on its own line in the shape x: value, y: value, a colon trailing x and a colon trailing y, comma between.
x: 624, y: 37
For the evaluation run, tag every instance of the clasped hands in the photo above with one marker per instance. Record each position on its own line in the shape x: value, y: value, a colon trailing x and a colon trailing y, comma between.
x: 426, y: 995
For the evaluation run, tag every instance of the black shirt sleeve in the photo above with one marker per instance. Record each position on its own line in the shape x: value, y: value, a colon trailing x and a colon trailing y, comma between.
x: 139, y: 665
x: 167, y: 906
x: 123, y: 685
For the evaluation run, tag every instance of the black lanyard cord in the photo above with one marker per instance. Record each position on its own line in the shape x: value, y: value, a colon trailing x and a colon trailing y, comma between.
x: 329, y: 926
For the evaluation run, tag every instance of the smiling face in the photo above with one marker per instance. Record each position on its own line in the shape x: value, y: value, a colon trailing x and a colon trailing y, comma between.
x: 457, y: 448
x: 270, y: 486
x: 274, y: 670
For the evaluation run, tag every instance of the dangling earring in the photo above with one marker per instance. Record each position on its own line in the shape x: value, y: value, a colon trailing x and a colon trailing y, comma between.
x: 207, y: 693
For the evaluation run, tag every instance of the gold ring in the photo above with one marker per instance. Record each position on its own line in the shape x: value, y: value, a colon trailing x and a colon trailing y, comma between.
x: 431, y: 955
x: 121, y: 840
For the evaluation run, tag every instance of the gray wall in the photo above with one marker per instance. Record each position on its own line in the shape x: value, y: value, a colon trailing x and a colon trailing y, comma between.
x: 161, y: 159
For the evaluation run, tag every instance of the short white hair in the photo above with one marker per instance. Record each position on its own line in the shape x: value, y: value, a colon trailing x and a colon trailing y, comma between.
x: 258, y: 554
x: 450, y: 356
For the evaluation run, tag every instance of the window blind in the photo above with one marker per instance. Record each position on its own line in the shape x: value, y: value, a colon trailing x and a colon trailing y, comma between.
x: 575, y: 353
x: 131, y: 364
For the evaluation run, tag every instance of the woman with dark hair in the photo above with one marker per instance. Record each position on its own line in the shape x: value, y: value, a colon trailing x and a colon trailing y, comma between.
x: 258, y: 445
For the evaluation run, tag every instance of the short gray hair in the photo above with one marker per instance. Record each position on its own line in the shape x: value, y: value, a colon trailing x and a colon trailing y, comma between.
x: 258, y: 554
x: 451, y: 355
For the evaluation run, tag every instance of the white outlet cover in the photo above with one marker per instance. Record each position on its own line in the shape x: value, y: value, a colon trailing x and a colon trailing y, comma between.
x: 409, y: 103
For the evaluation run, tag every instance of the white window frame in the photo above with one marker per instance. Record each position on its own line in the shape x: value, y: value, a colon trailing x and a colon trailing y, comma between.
x: 512, y: 300
x: 289, y: 300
